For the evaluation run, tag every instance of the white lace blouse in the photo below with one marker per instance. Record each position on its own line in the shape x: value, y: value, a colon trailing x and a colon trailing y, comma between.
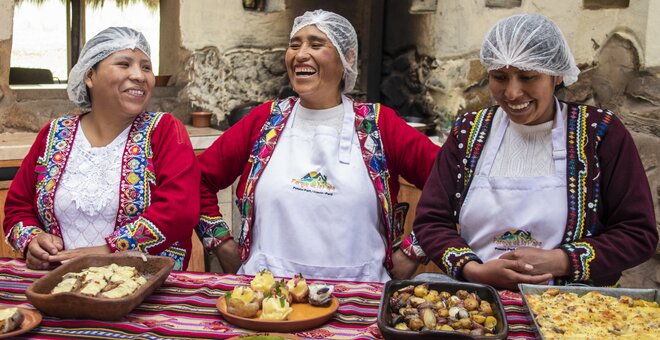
x: 87, y: 197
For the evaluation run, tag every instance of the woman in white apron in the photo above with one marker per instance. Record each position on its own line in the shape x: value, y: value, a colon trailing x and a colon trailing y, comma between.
x: 318, y: 172
x: 540, y: 191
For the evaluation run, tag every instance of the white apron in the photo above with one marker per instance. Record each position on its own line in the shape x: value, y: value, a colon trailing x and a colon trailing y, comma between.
x: 501, y: 214
x: 316, y: 211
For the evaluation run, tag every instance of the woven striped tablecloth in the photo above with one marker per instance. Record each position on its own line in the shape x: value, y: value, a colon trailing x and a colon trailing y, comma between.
x: 184, y: 307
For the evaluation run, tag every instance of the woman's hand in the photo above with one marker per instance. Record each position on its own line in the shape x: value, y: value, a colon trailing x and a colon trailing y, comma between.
x: 553, y: 261
x: 40, y: 249
x: 69, y: 254
x: 227, y: 253
x: 502, y: 273
x: 403, y: 266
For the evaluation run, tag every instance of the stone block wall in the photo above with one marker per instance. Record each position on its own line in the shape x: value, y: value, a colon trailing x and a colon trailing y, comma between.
x: 218, y: 82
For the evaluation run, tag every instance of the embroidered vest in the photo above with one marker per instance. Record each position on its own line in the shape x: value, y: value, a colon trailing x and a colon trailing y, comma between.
x: 586, y: 126
x: 366, y: 118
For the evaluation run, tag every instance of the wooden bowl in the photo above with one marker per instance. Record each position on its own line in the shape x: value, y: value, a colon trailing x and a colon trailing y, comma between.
x: 78, y: 306
x: 304, y: 316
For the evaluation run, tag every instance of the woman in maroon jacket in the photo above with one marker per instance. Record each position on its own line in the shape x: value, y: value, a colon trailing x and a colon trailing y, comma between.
x: 535, y: 190
x: 318, y: 173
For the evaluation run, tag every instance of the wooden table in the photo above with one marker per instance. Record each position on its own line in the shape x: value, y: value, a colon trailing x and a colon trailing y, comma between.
x: 184, y: 307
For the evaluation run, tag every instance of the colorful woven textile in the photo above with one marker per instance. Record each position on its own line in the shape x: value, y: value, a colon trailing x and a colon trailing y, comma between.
x: 184, y: 307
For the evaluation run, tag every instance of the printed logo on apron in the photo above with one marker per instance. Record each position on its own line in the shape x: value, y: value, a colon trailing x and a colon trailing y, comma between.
x: 512, y: 239
x: 314, y: 182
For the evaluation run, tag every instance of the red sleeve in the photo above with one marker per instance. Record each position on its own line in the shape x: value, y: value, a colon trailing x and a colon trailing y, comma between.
x: 224, y: 161
x: 627, y: 221
x: 174, y: 208
x: 21, y: 222
x: 409, y: 152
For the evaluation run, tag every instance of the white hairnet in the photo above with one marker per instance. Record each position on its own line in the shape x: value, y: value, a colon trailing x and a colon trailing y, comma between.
x: 342, y: 35
x: 530, y: 42
x: 107, y: 42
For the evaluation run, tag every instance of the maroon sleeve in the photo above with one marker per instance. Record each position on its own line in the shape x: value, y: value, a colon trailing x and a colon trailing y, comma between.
x: 436, y: 221
x: 174, y: 208
x: 21, y: 222
x: 627, y: 234
x: 224, y: 161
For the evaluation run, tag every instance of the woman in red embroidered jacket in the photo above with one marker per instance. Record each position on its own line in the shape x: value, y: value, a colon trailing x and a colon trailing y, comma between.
x: 114, y: 178
x: 543, y: 191
x: 318, y: 173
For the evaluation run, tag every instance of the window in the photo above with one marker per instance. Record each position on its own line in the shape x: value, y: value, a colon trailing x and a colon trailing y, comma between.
x: 40, y: 48
x: 605, y: 4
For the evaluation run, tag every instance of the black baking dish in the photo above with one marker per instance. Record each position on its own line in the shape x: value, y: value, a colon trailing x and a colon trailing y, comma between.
x: 439, y: 283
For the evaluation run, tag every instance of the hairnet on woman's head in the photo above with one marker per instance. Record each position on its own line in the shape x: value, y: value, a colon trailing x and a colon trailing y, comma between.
x: 107, y: 42
x: 529, y: 42
x: 342, y: 35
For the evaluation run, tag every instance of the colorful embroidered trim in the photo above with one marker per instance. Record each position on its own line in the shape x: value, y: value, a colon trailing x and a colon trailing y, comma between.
x: 476, y: 141
x: 137, y: 168
x: 139, y: 235
x: 213, y: 231
x: 454, y: 259
x: 373, y: 154
x: 49, y: 168
x: 261, y: 153
x: 19, y: 236
x: 410, y: 246
x: 580, y: 256
x: 176, y: 253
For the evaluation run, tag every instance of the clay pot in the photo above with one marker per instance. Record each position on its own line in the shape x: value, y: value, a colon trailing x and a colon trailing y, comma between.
x: 240, y: 111
x: 162, y: 80
x: 201, y: 119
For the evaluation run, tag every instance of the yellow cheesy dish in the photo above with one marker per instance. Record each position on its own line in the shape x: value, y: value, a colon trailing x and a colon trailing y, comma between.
x: 594, y: 316
x: 110, y: 281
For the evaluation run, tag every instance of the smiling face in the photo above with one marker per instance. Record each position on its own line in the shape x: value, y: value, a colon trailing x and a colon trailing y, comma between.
x: 122, y: 83
x: 315, y: 69
x: 525, y: 96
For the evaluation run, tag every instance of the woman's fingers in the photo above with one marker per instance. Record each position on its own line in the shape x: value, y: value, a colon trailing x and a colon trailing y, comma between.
x: 63, y: 256
x: 35, y: 263
x: 48, y: 243
x: 59, y: 244
x: 533, y: 279
x: 35, y: 248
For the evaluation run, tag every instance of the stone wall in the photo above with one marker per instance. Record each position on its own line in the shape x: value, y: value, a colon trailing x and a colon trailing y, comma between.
x: 6, y: 22
x: 219, y: 82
